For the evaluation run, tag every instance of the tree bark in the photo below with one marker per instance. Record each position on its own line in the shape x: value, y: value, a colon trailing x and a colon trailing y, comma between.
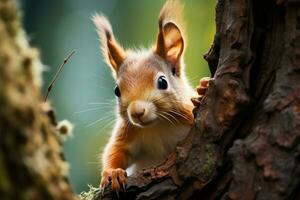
x: 245, y: 142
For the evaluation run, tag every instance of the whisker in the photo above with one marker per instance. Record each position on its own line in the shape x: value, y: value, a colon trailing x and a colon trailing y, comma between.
x: 166, y: 118
x: 169, y: 120
x: 100, y: 103
x: 176, y: 120
x: 99, y: 120
x: 89, y: 109
x: 108, y: 125
x: 180, y: 114
x: 106, y: 101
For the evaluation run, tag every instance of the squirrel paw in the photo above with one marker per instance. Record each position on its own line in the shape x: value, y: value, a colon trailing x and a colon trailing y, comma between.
x: 117, y: 177
x: 201, y: 89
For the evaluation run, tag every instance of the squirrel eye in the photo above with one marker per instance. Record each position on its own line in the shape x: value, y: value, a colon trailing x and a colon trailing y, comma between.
x: 162, y: 83
x: 117, y: 91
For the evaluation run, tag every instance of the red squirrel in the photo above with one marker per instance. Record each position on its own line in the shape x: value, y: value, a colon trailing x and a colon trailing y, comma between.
x: 154, y: 97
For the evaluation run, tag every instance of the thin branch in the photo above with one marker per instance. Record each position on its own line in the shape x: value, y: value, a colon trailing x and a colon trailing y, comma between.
x: 58, y: 72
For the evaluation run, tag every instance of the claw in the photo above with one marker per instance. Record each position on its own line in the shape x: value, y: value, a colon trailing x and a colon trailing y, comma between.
x: 124, y: 187
x: 201, y: 90
x: 204, y: 82
x: 195, y: 101
x: 101, y: 191
x: 114, y: 177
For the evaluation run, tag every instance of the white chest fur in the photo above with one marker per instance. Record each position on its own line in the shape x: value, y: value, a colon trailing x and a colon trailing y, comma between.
x: 155, y: 143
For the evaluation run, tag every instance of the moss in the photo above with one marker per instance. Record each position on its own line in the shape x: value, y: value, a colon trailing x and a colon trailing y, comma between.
x: 90, y: 194
x: 209, y: 165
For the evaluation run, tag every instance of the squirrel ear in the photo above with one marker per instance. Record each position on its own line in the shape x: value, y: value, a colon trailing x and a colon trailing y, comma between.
x: 113, y: 53
x: 170, y: 40
x: 170, y: 44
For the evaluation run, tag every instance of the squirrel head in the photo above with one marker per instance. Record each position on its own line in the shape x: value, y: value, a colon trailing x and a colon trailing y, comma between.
x: 151, y: 84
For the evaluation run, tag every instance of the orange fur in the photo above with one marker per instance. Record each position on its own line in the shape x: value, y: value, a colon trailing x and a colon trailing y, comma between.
x: 152, y: 120
x: 112, y: 51
x: 171, y: 36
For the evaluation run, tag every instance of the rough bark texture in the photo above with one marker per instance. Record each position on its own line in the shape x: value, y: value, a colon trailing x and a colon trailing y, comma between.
x: 31, y: 164
x: 245, y: 143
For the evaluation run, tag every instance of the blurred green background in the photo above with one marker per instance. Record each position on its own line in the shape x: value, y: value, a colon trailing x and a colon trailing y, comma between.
x: 58, y: 26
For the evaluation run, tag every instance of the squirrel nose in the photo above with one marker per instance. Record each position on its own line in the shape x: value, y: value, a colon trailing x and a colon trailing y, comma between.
x: 141, y: 113
x: 137, y: 109
x: 138, y: 113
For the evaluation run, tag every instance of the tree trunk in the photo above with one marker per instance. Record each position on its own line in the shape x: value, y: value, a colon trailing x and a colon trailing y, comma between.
x: 31, y: 164
x: 245, y: 142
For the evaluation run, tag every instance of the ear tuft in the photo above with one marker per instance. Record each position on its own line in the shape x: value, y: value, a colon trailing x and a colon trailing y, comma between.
x: 172, y: 11
x: 170, y: 40
x: 113, y: 53
x: 103, y: 28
